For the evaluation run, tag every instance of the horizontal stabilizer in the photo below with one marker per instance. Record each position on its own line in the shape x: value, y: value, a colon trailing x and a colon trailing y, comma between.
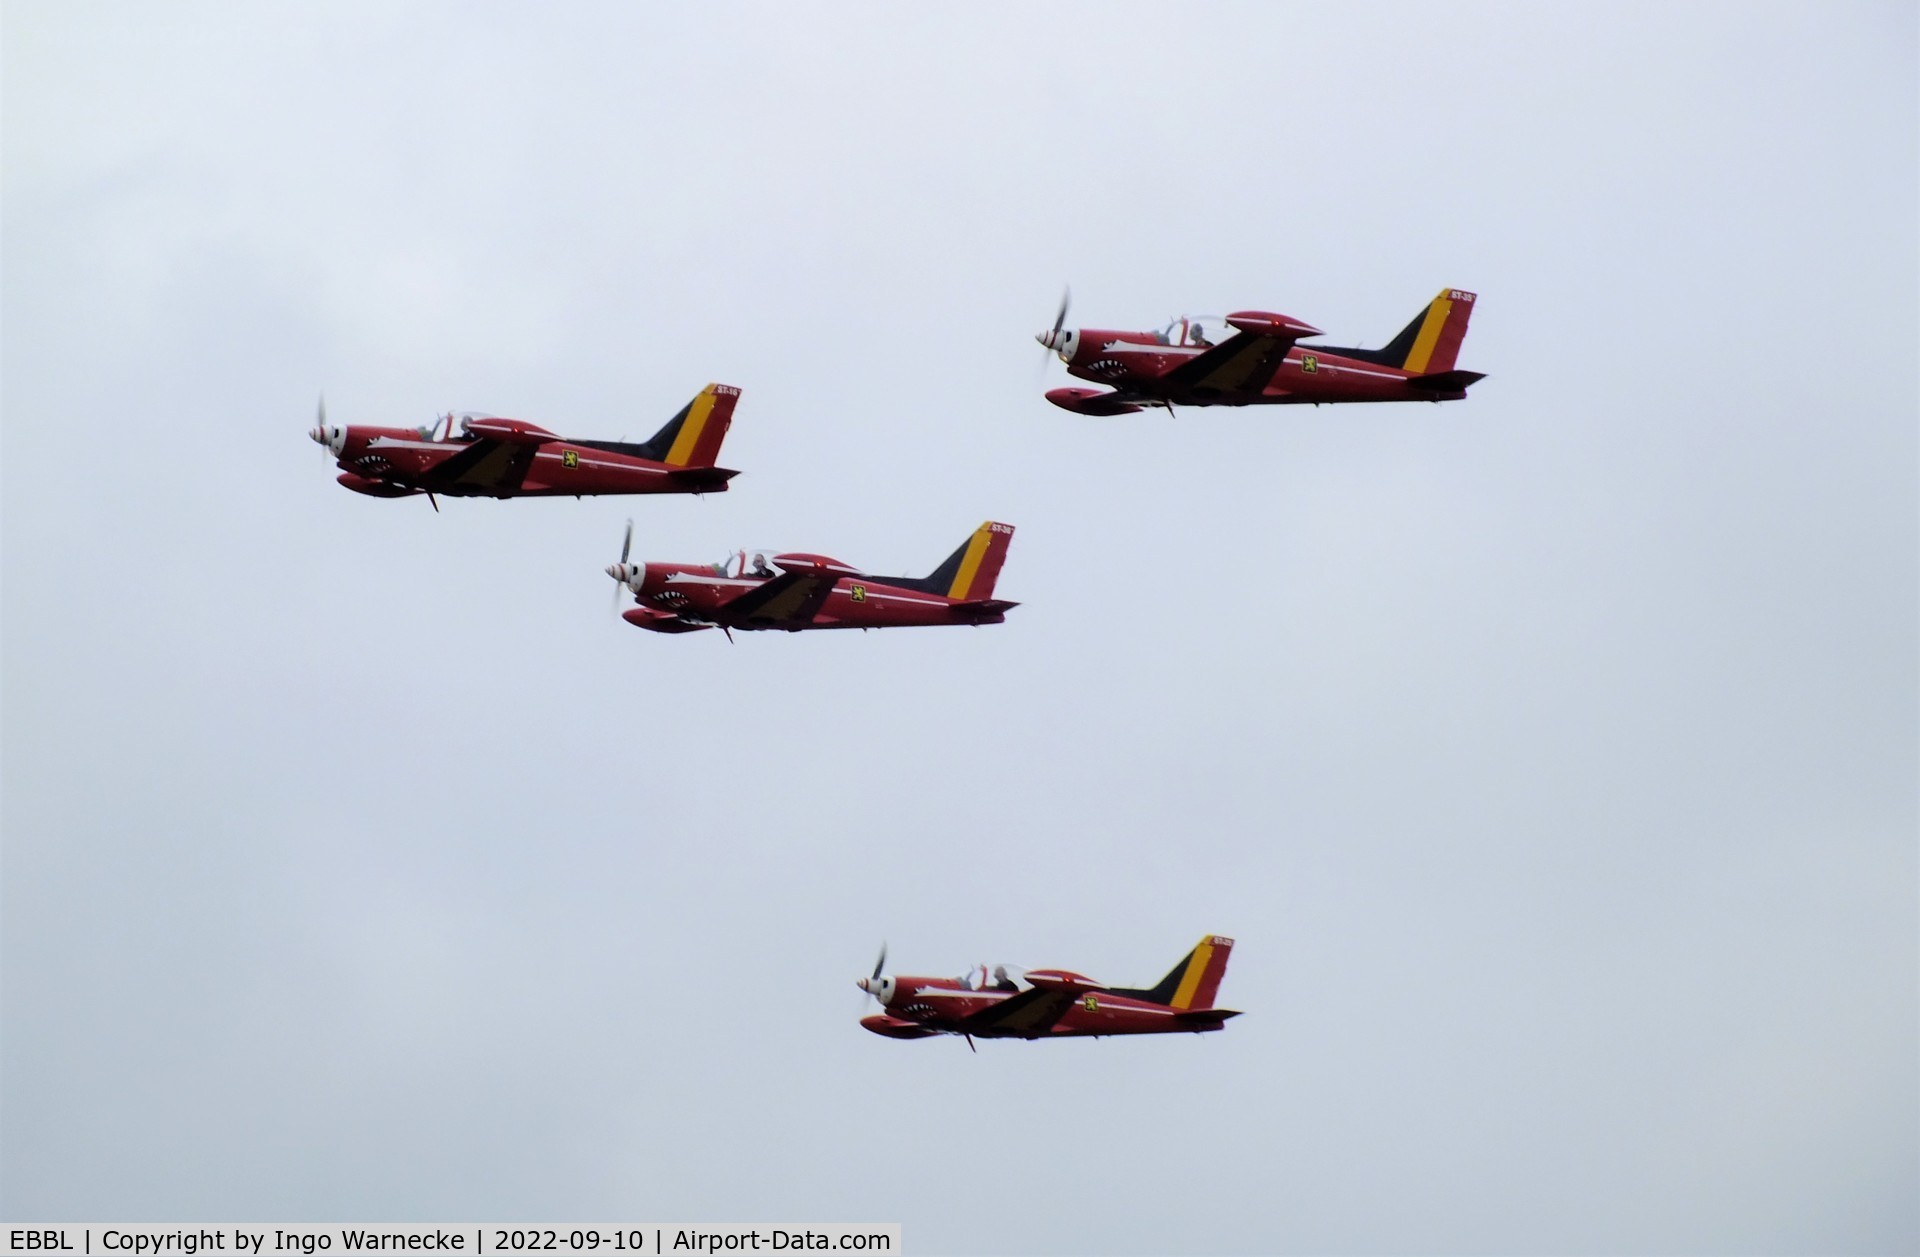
x: 715, y: 477
x: 1213, y: 1016
x: 986, y: 606
x: 1446, y: 381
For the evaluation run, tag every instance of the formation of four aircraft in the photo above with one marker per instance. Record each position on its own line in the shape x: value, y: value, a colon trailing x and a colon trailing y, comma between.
x: 1251, y: 357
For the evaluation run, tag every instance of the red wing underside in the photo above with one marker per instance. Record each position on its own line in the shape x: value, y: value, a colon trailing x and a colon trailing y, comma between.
x: 1241, y: 363
x: 790, y: 598
x: 1029, y: 1014
x: 485, y: 466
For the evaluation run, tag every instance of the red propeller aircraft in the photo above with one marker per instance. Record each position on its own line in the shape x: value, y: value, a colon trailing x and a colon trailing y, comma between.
x: 1251, y: 358
x: 790, y: 590
x: 1007, y: 1002
x: 510, y: 458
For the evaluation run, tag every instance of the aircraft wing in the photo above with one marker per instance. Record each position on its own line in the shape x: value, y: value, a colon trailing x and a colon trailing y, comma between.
x: 484, y: 466
x: 788, y: 598
x: 1243, y: 362
x: 1029, y: 1014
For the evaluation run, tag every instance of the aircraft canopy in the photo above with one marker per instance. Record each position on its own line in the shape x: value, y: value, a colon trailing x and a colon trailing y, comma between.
x: 772, y: 561
x: 995, y: 978
x: 1198, y: 331
x: 752, y: 561
x: 446, y: 426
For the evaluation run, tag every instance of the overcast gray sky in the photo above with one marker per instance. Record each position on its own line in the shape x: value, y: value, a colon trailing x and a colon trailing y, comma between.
x: 1551, y: 755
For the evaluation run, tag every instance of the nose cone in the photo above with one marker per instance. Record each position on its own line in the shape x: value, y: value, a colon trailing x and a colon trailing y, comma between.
x: 865, y: 984
x: 1060, y: 340
x: 317, y: 434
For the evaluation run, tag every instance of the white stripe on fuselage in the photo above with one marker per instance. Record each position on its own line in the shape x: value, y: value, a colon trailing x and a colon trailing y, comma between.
x: 1342, y: 367
x: 1000, y: 995
x: 914, y: 598
x: 688, y: 578
x: 950, y: 993
x: 584, y: 461
x: 394, y: 442
x: 397, y: 443
x: 1131, y: 347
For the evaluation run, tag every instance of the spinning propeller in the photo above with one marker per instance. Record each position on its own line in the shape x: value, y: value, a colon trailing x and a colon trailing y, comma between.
x: 875, y: 984
x: 319, y: 432
x: 1052, y: 339
x: 620, y: 571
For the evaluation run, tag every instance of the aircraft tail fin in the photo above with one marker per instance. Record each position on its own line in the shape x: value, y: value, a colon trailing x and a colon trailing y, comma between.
x: 969, y: 572
x: 1429, y: 344
x: 692, y: 438
x: 1193, y: 982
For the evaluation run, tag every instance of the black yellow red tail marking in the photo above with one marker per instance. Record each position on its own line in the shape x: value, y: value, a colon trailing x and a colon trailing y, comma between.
x: 1194, y: 981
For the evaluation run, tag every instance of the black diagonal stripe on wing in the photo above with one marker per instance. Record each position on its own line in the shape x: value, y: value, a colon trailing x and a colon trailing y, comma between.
x: 1243, y: 361
x: 485, y: 465
x: 1029, y: 1014
x: 791, y: 597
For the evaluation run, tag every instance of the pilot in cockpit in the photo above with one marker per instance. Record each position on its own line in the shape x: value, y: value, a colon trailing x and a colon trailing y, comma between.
x: 760, y: 567
x: 1197, y: 336
x: 1001, y: 982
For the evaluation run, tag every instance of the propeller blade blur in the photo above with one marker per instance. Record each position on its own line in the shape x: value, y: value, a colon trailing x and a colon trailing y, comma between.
x: 319, y: 433
x: 1050, y: 340
x: 619, y: 570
